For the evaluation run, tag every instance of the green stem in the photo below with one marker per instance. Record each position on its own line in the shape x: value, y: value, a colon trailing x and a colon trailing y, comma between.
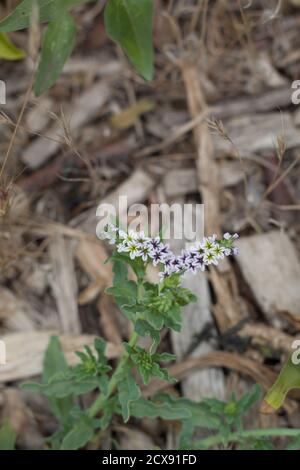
x: 288, y: 379
x: 100, y: 401
x: 237, y: 436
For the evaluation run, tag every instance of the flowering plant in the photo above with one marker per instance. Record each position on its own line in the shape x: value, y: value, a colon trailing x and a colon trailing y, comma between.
x: 150, y: 307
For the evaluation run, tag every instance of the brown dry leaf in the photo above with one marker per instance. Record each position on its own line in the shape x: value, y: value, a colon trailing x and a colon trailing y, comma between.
x: 92, y: 257
x: 128, y: 117
x: 91, y: 292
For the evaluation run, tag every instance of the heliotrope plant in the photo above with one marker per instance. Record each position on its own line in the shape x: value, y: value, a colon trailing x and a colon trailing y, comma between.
x: 150, y: 307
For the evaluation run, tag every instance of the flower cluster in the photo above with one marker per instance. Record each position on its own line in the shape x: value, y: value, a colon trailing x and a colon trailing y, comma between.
x: 209, y: 251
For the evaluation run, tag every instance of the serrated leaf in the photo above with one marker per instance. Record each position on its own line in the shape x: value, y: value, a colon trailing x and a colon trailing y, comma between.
x: 78, y: 437
x: 8, y: 50
x: 128, y: 393
x: 7, y: 437
x: 129, y: 23
x: 58, y: 43
x: 21, y: 15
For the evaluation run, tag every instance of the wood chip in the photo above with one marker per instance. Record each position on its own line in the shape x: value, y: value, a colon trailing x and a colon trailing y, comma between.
x: 15, y: 313
x: 25, y: 352
x: 270, y: 265
x: 64, y: 284
x: 136, y: 188
x: 83, y: 109
x: 208, y: 182
x: 258, y: 132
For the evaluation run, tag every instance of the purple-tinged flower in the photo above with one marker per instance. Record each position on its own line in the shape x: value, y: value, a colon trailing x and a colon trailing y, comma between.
x: 154, y: 243
x: 184, y: 256
x: 192, y: 254
x: 163, y: 275
x: 235, y: 250
x: 157, y: 257
x: 176, y: 266
x: 192, y: 268
x: 168, y: 263
x: 165, y: 250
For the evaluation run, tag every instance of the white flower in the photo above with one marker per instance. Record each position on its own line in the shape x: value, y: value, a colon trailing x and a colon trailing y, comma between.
x: 145, y: 251
x: 209, y: 243
x: 210, y: 258
x: 133, y: 249
x: 122, y: 247
x: 219, y: 251
x: 228, y: 236
x: 131, y: 236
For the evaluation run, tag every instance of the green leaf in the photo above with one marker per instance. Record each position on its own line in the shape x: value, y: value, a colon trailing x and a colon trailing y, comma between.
x: 165, y: 357
x: 151, y: 409
x: 61, y: 386
x: 78, y: 437
x: 248, y: 399
x: 57, y: 46
x: 21, y: 15
x: 155, y: 319
x: 55, y: 362
x: 129, y: 23
x: 128, y: 393
x: 120, y: 272
x: 7, y: 437
x: 143, y: 328
x: 8, y: 50
x: 127, y: 291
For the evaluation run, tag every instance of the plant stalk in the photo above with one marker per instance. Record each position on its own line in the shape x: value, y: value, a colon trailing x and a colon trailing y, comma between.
x: 100, y: 401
